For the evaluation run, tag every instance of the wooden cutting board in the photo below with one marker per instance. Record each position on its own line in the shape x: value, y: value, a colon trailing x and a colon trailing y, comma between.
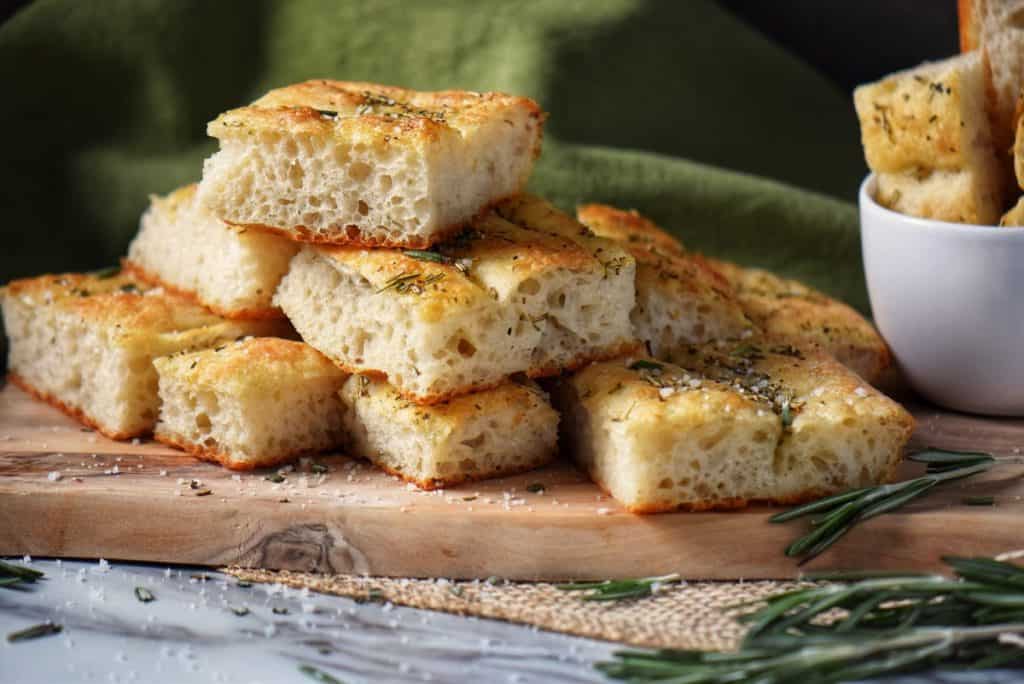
x: 123, y: 500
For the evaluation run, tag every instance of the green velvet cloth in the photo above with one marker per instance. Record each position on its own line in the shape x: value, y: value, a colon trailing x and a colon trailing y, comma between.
x: 674, y: 108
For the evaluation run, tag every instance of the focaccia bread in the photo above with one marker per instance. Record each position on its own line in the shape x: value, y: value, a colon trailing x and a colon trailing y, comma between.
x: 250, y: 404
x: 497, y: 299
x: 792, y: 313
x: 731, y: 424
x: 360, y: 163
x: 1015, y: 216
x: 233, y: 271
x: 679, y: 298
x: 86, y: 343
x: 995, y: 29
x: 504, y: 430
x: 721, y: 293
x: 927, y: 136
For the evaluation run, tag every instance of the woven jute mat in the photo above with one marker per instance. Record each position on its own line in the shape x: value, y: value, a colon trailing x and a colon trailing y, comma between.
x: 691, y: 615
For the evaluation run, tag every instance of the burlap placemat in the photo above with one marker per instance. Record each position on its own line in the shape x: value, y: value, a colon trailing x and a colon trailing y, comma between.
x: 689, y: 615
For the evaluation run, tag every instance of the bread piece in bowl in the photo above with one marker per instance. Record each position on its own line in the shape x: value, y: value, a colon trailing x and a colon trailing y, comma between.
x: 679, y: 298
x: 683, y: 299
x: 359, y: 163
x: 507, y: 295
x: 248, y: 404
x: 927, y: 135
x: 730, y: 424
x: 508, y: 429
x: 233, y: 271
x: 86, y: 343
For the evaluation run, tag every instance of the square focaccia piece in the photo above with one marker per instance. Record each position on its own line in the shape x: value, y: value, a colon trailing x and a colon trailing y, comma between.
x: 927, y: 135
x: 360, y: 163
x: 679, y: 299
x: 503, y: 297
x: 233, y: 271
x: 250, y: 404
x: 504, y: 430
x: 731, y: 425
x: 709, y: 299
x: 86, y: 343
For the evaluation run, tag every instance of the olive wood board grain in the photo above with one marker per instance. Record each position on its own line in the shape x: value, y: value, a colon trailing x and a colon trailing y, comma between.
x: 133, y: 501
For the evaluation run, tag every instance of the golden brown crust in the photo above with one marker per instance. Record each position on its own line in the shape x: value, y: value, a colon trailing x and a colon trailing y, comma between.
x: 968, y: 29
x: 460, y: 478
x: 214, y: 456
x: 256, y: 314
x: 630, y: 227
x: 375, y: 112
x: 70, y: 411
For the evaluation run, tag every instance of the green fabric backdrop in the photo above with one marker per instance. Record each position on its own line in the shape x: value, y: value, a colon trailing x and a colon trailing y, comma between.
x: 650, y: 102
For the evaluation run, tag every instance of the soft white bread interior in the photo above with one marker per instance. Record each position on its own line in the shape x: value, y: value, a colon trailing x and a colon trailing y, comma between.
x: 508, y: 429
x: 361, y: 163
x: 537, y: 296
x: 250, y: 404
x: 683, y: 299
x: 233, y: 271
x: 86, y: 344
x: 732, y: 423
x: 927, y: 136
x: 679, y: 298
x: 995, y: 28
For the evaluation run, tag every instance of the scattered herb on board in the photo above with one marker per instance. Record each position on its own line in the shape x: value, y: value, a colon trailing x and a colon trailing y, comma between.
x: 318, y: 468
x: 144, y: 594
x: 866, y: 626
x: 35, y: 632
x: 979, y: 500
x: 318, y: 675
x: 278, y: 610
x: 12, y: 575
x: 276, y: 478
x: 838, y: 514
x: 536, y: 488
x: 615, y: 590
x: 240, y: 611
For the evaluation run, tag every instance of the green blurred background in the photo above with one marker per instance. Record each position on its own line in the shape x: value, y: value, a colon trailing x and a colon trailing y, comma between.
x: 708, y: 116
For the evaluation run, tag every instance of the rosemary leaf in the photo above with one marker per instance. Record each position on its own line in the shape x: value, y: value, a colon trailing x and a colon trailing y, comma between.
x: 616, y: 590
x: 644, y: 364
x: 34, y: 632
x: 318, y: 675
x: 425, y: 255
x: 144, y: 595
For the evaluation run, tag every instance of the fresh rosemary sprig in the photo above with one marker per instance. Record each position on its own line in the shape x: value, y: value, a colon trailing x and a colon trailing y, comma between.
x: 876, y: 625
x: 838, y: 514
x: 13, y: 575
x: 615, y: 590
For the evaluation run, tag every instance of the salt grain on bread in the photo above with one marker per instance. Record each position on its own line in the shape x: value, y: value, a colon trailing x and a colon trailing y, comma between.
x: 250, y: 404
x: 733, y: 424
x: 86, y: 344
x: 684, y: 298
x: 927, y: 136
x: 508, y: 429
x: 502, y: 297
x: 679, y: 298
x: 233, y: 271
x: 361, y: 163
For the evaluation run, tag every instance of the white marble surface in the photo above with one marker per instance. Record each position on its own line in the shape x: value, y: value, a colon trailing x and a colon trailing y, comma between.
x: 190, y: 633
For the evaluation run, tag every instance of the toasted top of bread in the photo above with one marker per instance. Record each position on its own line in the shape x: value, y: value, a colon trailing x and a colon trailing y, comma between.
x: 119, y: 300
x: 494, y: 253
x: 377, y: 113
x: 994, y: 28
x: 794, y: 313
x: 642, y: 235
x: 249, y: 365
x: 930, y: 116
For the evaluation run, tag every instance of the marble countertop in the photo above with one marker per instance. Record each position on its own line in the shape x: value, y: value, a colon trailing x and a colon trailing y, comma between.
x: 213, y: 630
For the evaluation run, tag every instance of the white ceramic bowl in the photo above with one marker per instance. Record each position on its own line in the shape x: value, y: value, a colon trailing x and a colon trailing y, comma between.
x: 949, y: 299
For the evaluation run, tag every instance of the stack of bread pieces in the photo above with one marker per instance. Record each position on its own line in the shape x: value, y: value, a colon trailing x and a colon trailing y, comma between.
x: 360, y: 271
x: 945, y: 140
